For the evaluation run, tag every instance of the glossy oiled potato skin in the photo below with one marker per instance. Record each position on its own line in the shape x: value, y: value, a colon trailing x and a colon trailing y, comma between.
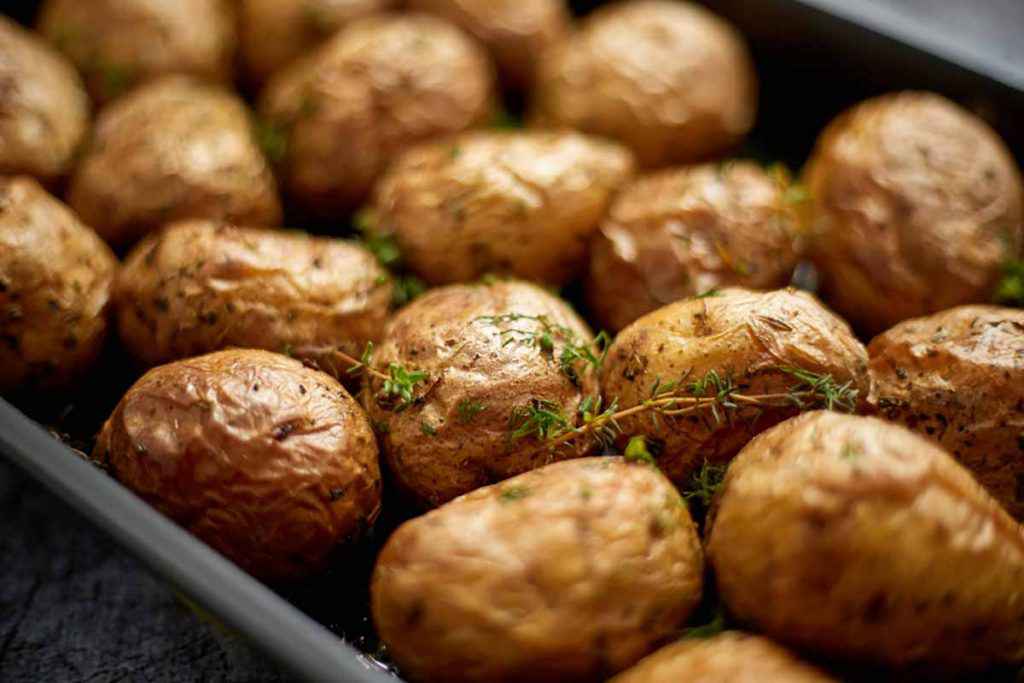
x: 200, y: 286
x: 516, y: 203
x: 743, y: 336
x: 381, y: 84
x: 55, y: 282
x: 916, y: 205
x: 45, y: 108
x: 172, y: 150
x: 958, y: 377
x: 271, y: 463
x: 685, y: 231
x: 860, y: 540
x: 669, y: 79
x: 568, y: 573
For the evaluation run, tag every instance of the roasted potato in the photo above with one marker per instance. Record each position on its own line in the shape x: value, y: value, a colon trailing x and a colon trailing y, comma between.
x: 378, y: 86
x: 45, y: 108
x: 200, y: 286
x: 916, y: 205
x: 271, y: 463
x: 515, y: 203
x: 172, y: 150
x: 117, y: 44
x: 491, y: 355
x: 669, y: 79
x: 958, y: 377
x: 733, y: 364
x: 685, y: 231
x: 568, y: 573
x: 858, y: 539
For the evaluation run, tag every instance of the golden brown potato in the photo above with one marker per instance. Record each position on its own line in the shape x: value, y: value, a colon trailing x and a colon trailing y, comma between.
x: 709, y: 350
x: 488, y: 353
x: 200, y: 286
x: 55, y: 282
x: 172, y: 150
x: 916, y: 206
x: 686, y: 231
x: 271, y: 463
x: 117, y: 44
x: 378, y: 86
x: 568, y: 573
x: 669, y: 79
x: 729, y: 657
x: 958, y: 377
x: 45, y: 108
x: 516, y: 203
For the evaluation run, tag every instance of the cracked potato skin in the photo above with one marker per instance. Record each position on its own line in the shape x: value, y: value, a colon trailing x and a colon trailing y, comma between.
x: 56, y: 276
x: 567, y: 573
x: 517, y: 203
x: 269, y: 462
x: 958, y: 377
x: 859, y: 540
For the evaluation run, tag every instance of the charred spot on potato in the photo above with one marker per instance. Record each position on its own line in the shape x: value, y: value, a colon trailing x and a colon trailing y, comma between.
x: 336, y: 494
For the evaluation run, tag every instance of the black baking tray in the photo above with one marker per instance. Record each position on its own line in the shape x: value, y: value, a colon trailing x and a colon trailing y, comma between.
x: 814, y: 57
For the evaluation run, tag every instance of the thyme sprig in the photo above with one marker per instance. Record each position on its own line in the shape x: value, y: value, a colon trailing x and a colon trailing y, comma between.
x: 541, y: 332
x: 383, y: 246
x: 398, y: 382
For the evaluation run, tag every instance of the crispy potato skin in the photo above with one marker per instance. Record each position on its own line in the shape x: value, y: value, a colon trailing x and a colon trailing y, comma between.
x: 378, y: 86
x: 916, y: 205
x: 739, y: 334
x: 568, y: 573
x: 958, y: 377
x: 271, y: 463
x: 684, y: 231
x: 860, y: 540
x: 468, y: 362
x: 172, y: 150
x: 120, y: 43
x: 200, y: 286
x: 55, y: 282
x: 520, y: 203
x: 669, y: 79
x: 730, y: 657
x: 45, y: 108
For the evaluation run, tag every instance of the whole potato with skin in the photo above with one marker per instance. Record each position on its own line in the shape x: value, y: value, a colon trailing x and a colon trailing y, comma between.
x: 172, y: 150
x: 958, y: 377
x: 378, y: 86
x: 200, y: 286
x: 750, y: 341
x: 45, y: 111
x: 860, y: 540
x: 271, y: 463
x: 685, y: 231
x: 484, y: 357
x: 567, y: 573
x: 916, y: 205
x: 518, y: 203
x: 669, y: 79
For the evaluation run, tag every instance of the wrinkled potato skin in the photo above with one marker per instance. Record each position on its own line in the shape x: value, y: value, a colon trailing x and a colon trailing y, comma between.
x: 117, y: 44
x: 730, y: 657
x: 668, y: 79
x: 521, y: 204
x: 568, y: 573
x: 200, y: 286
x: 55, y: 282
x: 916, y: 206
x: 172, y: 150
x: 271, y: 463
x: 860, y: 540
x: 740, y: 334
x: 378, y: 86
x: 45, y: 111
x: 958, y: 377
x: 685, y: 231
x: 466, y: 360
